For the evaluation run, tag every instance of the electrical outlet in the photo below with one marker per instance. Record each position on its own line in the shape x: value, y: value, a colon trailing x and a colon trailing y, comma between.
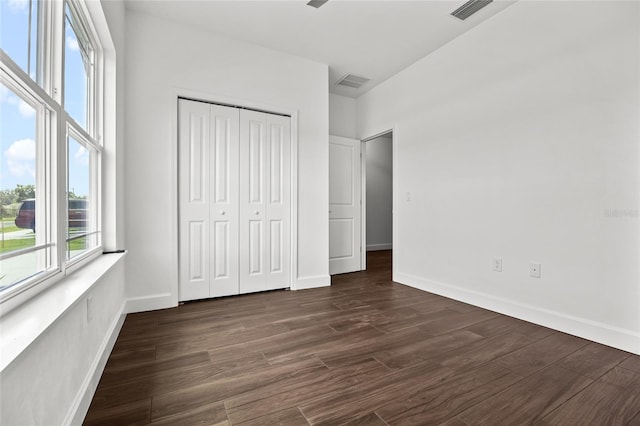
x: 89, y: 309
x: 534, y: 270
x: 497, y: 264
x: 408, y: 196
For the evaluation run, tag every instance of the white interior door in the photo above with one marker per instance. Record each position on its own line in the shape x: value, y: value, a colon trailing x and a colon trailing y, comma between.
x: 345, y: 205
x: 235, y: 200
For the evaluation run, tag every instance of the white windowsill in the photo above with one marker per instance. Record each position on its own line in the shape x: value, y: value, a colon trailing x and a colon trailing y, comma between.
x: 23, y: 325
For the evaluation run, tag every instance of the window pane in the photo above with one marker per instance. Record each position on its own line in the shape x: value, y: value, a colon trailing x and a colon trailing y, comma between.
x: 18, y: 123
x: 19, y: 33
x: 81, y: 212
x: 77, y: 67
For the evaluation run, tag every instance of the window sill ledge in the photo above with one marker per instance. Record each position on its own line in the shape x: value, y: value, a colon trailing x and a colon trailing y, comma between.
x: 22, y: 326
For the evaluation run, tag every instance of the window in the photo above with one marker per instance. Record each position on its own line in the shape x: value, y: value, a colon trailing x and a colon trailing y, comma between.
x: 50, y: 153
x: 19, y: 33
x: 81, y: 215
x: 25, y: 253
x: 78, y: 68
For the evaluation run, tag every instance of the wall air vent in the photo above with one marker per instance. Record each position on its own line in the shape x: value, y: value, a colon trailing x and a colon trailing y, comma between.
x: 469, y: 8
x: 352, y: 80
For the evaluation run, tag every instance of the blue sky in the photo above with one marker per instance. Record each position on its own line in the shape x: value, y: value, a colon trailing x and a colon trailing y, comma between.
x: 18, y: 119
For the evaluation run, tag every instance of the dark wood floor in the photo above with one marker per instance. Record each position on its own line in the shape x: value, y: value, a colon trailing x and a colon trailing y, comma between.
x: 365, y: 351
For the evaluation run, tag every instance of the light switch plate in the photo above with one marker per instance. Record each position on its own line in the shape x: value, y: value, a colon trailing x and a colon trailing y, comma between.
x: 497, y: 264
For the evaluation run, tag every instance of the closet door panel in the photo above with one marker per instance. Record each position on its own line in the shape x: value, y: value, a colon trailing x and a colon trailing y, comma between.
x: 224, y: 210
x: 193, y: 152
x: 278, y: 205
x: 252, y: 201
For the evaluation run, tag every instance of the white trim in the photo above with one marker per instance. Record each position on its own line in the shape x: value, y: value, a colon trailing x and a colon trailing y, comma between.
x: 376, y: 247
x: 620, y: 338
x: 151, y: 303
x: 176, y: 93
x: 377, y: 135
x: 363, y: 206
x: 294, y: 200
x: 174, y: 210
x: 317, y: 281
x: 394, y: 192
x: 82, y: 401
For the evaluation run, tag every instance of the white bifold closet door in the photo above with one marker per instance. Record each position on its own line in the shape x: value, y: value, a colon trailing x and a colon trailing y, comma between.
x: 235, y: 201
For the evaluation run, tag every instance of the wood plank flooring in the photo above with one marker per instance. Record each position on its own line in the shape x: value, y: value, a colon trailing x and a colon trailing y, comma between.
x: 365, y: 351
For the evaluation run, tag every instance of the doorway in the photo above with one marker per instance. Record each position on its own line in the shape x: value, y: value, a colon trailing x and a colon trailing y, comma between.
x: 378, y: 194
x: 360, y: 200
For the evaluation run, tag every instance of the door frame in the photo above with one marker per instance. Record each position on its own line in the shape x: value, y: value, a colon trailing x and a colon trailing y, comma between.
x: 363, y: 190
x: 177, y: 93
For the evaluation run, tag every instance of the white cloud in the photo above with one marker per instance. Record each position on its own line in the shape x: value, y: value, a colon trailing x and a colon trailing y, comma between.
x: 6, y: 95
x: 21, y: 158
x: 18, y: 5
x: 82, y: 156
x: 72, y: 43
x: 25, y: 110
x: 23, y: 149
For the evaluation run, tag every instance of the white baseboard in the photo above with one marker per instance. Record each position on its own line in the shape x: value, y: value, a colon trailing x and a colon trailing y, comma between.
x: 80, y: 406
x: 312, y: 282
x: 616, y: 337
x: 376, y: 247
x: 151, y: 303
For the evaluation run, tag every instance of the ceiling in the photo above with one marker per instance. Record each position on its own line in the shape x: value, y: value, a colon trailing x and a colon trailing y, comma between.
x: 373, y: 39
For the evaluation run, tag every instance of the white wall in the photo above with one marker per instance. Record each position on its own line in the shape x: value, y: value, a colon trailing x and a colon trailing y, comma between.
x: 53, y: 380
x: 520, y: 139
x: 166, y: 58
x: 342, y: 116
x: 379, y: 166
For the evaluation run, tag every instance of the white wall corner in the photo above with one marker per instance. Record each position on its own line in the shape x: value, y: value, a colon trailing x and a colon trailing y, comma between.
x: 624, y: 339
x: 78, y: 410
x: 317, y: 281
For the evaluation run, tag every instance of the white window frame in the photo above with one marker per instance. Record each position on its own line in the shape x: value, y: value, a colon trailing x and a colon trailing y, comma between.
x: 95, y: 153
x: 53, y: 126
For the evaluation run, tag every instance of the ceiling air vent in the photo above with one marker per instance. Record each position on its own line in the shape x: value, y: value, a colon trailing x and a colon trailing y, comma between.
x: 316, y: 3
x: 469, y: 8
x: 352, y: 80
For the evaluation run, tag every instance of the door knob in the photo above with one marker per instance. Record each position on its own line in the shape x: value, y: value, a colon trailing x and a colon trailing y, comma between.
x: 223, y: 212
x: 257, y: 213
